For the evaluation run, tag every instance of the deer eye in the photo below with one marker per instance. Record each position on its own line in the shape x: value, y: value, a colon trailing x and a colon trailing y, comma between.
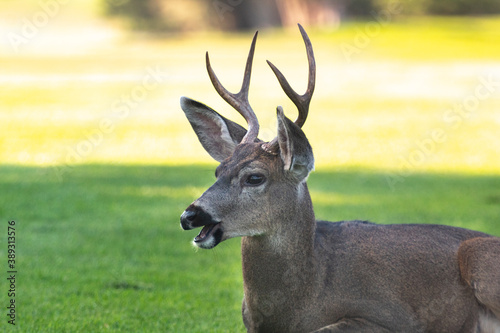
x: 255, y: 179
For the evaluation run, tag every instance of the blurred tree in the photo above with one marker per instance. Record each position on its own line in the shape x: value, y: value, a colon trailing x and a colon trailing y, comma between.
x: 464, y: 7
x: 407, y: 7
x: 359, y: 7
x: 142, y: 14
x: 311, y: 12
x: 246, y: 14
x: 254, y: 14
x: 243, y: 14
x: 160, y: 15
x: 226, y: 14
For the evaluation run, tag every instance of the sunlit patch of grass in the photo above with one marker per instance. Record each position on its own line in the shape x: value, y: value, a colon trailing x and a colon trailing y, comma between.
x: 372, y: 109
x: 400, y: 134
x: 423, y: 38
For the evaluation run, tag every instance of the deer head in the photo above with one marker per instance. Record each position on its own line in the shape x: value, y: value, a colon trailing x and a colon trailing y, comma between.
x: 255, y: 179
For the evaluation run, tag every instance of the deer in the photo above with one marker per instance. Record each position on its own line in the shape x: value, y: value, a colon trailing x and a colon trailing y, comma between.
x: 306, y: 275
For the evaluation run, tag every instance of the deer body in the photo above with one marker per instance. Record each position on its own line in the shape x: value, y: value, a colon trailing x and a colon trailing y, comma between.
x: 303, y: 275
x: 354, y: 278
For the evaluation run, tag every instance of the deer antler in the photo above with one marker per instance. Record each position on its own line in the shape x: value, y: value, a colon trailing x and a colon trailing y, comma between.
x: 301, y: 101
x: 239, y: 101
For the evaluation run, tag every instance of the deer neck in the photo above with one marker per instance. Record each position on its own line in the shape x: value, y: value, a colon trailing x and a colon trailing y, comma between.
x: 269, y: 260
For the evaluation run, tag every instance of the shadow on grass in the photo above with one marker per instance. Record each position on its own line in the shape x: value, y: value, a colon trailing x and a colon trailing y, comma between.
x: 101, y: 247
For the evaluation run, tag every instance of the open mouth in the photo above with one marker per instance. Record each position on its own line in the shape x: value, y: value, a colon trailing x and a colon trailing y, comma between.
x: 205, y: 233
x: 209, y: 236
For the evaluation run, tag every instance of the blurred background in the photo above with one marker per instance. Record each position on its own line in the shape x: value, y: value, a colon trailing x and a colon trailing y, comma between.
x: 388, y: 73
x: 97, y: 160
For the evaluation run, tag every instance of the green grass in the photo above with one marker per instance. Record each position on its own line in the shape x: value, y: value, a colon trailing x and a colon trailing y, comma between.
x: 98, y: 237
x: 101, y: 250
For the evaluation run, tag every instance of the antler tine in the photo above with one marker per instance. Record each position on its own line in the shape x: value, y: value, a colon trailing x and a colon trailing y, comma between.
x: 239, y: 101
x: 301, y: 101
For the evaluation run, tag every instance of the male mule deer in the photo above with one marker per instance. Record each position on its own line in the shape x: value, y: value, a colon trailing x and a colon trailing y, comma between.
x: 303, y: 275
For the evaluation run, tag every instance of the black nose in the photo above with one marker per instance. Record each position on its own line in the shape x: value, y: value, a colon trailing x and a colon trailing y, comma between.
x: 187, y: 219
x: 194, y: 217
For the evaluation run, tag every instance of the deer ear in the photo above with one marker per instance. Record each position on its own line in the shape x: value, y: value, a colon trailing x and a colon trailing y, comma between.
x: 294, y: 148
x: 218, y: 135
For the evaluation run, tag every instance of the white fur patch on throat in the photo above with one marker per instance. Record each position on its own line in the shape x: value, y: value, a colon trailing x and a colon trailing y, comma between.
x: 488, y: 323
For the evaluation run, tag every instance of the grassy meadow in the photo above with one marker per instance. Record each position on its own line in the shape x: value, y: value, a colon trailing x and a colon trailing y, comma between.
x: 98, y: 161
